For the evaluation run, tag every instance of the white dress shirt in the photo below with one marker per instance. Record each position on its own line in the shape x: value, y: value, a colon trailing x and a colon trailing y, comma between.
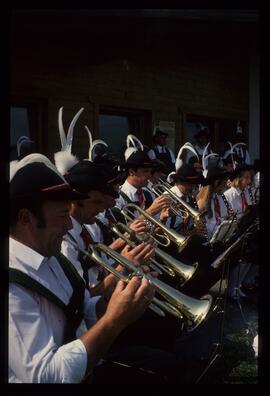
x: 36, y: 325
x: 72, y: 254
x: 212, y: 223
x: 233, y: 196
x: 178, y: 219
x: 131, y: 193
x: 161, y: 149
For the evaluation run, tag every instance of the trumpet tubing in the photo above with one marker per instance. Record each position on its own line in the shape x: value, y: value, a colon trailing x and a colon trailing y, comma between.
x: 191, y: 310
x: 180, y: 240
x: 155, y: 306
x: 195, y: 214
x: 170, y: 265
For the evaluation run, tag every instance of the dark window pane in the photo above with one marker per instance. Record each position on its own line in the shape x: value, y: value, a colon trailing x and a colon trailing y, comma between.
x: 114, y: 130
x: 19, y: 126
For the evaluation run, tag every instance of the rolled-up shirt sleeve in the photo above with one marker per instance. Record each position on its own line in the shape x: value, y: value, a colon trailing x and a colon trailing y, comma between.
x: 90, y: 315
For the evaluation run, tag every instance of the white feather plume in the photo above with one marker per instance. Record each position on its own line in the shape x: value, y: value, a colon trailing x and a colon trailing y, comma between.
x: 206, y: 158
x: 205, y: 173
x: 129, y: 151
x: 169, y: 177
x: 132, y: 139
x: 89, y: 135
x: 188, y: 146
x: 71, y: 129
x: 34, y: 157
x: 12, y: 169
x: 94, y: 144
x: 64, y: 161
x: 20, y: 142
x: 238, y: 144
x: 203, y: 156
x: 178, y: 163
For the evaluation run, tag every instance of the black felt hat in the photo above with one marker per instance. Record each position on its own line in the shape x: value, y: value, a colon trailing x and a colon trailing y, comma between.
x: 86, y: 176
x: 187, y: 174
x: 215, y: 173
x: 138, y: 158
x: 36, y: 177
x: 204, y: 131
x: 239, y: 169
x: 158, y: 132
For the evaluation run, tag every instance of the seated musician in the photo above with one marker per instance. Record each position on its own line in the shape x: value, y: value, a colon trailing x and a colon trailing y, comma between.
x: 86, y: 177
x: 240, y: 198
x: 186, y: 180
x: 139, y: 167
x: 212, y: 199
x: 47, y: 299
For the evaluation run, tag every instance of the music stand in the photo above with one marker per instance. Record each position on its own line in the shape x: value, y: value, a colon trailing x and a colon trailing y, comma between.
x: 224, y: 232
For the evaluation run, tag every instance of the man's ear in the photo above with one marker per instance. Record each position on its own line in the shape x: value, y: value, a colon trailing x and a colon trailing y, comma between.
x: 25, y: 217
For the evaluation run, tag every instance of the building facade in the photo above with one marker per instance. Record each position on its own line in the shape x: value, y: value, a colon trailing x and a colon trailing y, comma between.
x: 132, y: 71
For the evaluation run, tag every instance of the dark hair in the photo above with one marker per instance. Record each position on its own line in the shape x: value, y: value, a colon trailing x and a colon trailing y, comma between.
x: 33, y: 205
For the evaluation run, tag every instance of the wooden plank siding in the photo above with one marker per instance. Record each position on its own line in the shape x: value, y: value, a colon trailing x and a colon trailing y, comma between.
x: 168, y: 90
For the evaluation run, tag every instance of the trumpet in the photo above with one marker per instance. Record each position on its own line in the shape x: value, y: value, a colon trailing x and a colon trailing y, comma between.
x: 170, y: 265
x: 173, y: 236
x: 163, y: 187
x: 191, y: 310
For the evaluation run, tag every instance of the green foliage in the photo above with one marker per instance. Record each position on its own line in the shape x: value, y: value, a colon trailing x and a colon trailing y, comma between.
x: 236, y: 364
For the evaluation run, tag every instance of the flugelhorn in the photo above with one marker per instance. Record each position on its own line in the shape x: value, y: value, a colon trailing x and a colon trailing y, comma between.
x: 180, y: 240
x: 192, y: 311
x: 157, y: 306
x: 169, y: 264
x: 162, y: 188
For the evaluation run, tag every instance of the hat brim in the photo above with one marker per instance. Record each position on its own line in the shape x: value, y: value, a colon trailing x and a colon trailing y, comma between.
x: 64, y: 195
x: 237, y: 171
x: 189, y: 180
x: 161, y: 134
x: 211, y: 179
x: 139, y: 164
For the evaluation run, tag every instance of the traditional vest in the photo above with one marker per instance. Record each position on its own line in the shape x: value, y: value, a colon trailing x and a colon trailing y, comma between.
x: 166, y: 158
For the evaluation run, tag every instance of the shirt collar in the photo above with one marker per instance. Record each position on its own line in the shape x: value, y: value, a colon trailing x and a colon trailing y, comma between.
x: 128, y: 188
x: 26, y: 254
x: 237, y: 190
x: 77, y: 228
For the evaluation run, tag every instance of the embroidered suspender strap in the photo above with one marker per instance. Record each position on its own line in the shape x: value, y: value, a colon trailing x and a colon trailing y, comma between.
x: 251, y: 196
x: 226, y: 203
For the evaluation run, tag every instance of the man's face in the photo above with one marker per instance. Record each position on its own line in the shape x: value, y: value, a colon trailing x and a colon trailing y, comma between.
x: 203, y: 140
x: 245, y: 179
x: 109, y: 201
x: 48, y: 237
x: 220, y: 185
x: 95, y: 204
x: 140, y: 177
x: 187, y: 188
x: 161, y: 140
x: 155, y: 176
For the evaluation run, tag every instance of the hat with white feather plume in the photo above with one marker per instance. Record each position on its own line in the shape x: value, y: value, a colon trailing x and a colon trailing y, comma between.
x: 64, y: 159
